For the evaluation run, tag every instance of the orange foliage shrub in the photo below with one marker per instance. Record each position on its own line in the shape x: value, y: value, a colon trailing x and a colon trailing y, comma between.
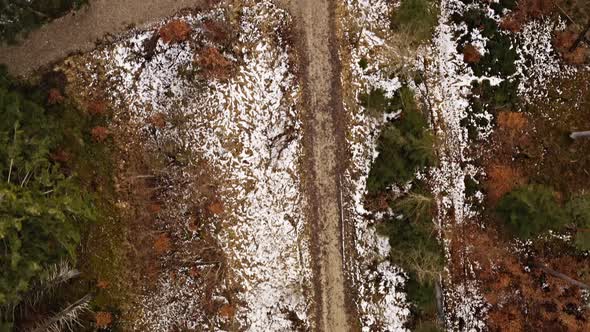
x: 157, y: 120
x: 175, y: 31
x: 518, y: 301
x: 162, y: 244
x: 103, y: 319
x: 512, y: 23
x: 502, y: 179
x: 154, y: 208
x: 471, y: 54
x: 216, y: 207
x: 564, y: 40
x: 536, y: 8
x: 102, y: 284
x: 514, y: 132
x: 525, y: 11
x: 213, y: 63
x: 99, y: 134
x: 579, y: 56
x: 97, y: 107
x: 227, y: 311
x: 60, y: 156
x: 54, y: 97
x: 512, y: 121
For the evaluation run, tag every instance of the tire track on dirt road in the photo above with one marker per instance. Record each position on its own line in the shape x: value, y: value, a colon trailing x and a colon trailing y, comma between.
x: 80, y: 30
x: 324, y: 161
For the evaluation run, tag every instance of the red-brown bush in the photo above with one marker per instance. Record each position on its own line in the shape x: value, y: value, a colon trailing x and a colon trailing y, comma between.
x: 216, y: 31
x: 471, y: 54
x: 175, y: 31
x: 54, y: 97
x: 213, y: 64
x: 99, y: 134
x: 96, y: 107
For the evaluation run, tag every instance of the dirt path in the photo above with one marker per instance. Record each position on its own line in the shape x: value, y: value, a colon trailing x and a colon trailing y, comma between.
x: 79, y: 31
x: 324, y: 147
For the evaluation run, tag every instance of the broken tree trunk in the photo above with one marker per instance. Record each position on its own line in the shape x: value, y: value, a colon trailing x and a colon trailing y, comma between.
x: 581, y: 37
x: 562, y: 276
x: 579, y: 134
x: 439, y: 302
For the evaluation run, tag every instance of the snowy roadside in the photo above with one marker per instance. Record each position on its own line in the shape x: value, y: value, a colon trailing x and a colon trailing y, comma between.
x: 382, y: 303
x: 447, y: 87
x: 247, y: 129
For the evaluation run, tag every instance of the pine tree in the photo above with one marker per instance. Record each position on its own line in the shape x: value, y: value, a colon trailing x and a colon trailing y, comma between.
x: 404, y: 146
x: 531, y: 210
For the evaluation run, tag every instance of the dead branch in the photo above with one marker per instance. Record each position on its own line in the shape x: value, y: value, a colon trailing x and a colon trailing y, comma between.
x: 561, y: 276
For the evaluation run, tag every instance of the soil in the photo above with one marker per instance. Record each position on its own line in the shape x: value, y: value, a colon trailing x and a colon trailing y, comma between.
x: 324, y: 161
x: 80, y: 30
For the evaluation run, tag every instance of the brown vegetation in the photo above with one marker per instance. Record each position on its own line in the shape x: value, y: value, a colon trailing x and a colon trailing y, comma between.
x: 213, y: 64
x: 471, y: 54
x: 565, y: 43
x: 227, y: 311
x: 103, y: 319
x: 578, y: 56
x: 522, y: 297
x: 61, y: 156
x: 96, y: 107
x: 502, y: 179
x: 157, y: 120
x: 216, y: 31
x: 216, y: 207
x: 525, y: 11
x: 162, y: 244
x: 99, y: 134
x: 102, y: 284
x: 512, y: 122
x: 175, y: 31
x: 54, y: 97
x: 564, y: 40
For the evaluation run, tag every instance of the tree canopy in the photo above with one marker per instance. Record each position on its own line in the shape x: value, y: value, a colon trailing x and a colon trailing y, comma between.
x: 21, y: 16
x: 531, y: 210
x: 405, y: 146
x: 41, y: 208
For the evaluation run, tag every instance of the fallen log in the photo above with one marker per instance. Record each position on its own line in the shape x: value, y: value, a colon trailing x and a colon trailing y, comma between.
x: 579, y: 134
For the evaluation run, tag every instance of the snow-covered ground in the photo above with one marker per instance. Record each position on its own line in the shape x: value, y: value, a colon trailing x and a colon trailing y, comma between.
x: 247, y: 129
x: 382, y: 302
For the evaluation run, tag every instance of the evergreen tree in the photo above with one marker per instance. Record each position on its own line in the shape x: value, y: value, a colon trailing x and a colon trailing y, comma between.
x: 404, y: 146
x: 41, y: 209
x: 578, y: 209
x: 531, y: 210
